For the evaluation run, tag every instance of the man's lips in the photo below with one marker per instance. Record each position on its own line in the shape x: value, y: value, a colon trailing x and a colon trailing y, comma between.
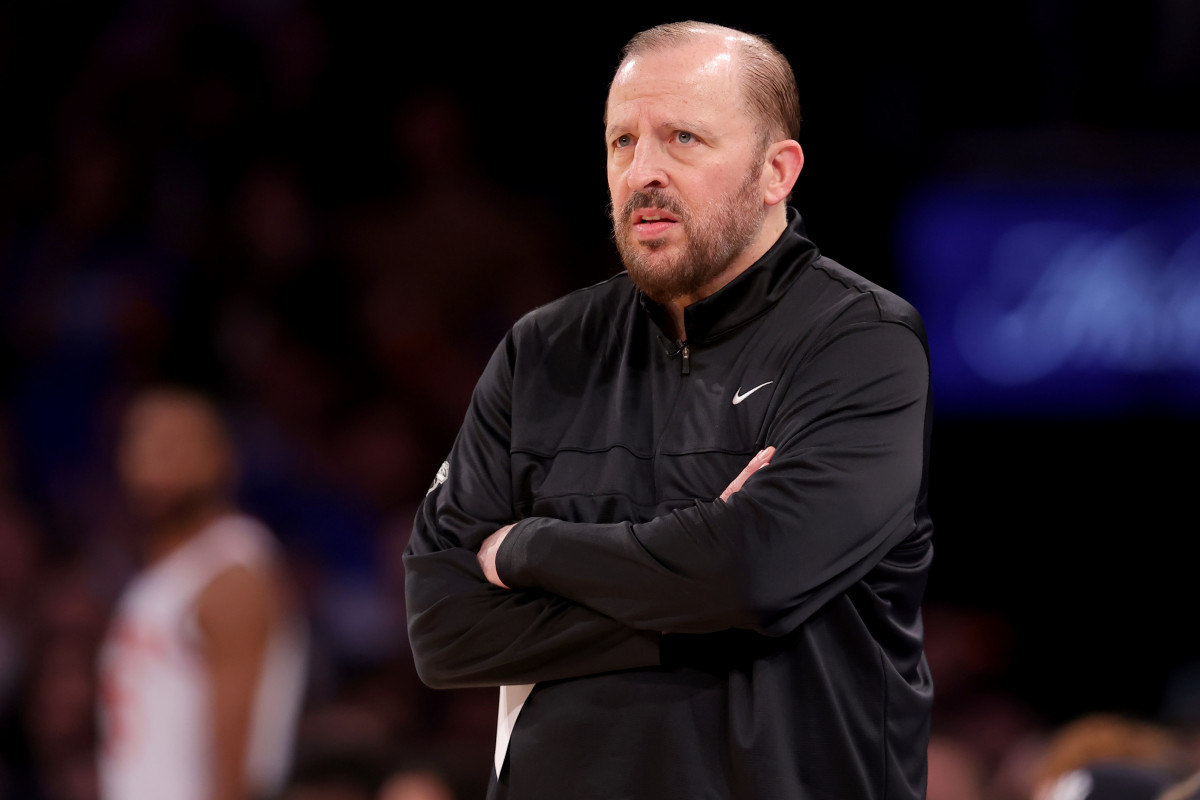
x: 652, y: 222
x: 651, y: 215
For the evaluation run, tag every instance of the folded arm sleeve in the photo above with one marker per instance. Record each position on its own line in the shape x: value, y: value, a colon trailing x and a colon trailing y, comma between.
x: 465, y: 631
x: 841, y: 491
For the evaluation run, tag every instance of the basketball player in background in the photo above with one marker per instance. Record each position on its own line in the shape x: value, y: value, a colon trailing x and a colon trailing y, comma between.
x: 203, y: 669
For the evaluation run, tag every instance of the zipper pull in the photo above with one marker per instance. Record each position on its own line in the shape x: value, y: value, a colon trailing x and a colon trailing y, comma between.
x: 686, y: 359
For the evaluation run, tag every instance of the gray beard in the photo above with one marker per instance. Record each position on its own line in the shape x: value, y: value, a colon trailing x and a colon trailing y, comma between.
x: 713, y: 242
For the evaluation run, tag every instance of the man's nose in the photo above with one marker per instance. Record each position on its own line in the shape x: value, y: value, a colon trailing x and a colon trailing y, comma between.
x: 648, y: 168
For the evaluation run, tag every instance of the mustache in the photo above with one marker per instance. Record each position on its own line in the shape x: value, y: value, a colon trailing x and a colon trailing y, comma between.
x: 651, y: 198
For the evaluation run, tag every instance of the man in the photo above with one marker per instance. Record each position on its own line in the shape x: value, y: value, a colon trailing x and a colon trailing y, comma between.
x: 203, y: 668
x: 658, y: 629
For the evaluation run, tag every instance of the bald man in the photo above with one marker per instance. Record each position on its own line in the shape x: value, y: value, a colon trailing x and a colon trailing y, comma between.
x: 684, y: 524
x: 203, y: 668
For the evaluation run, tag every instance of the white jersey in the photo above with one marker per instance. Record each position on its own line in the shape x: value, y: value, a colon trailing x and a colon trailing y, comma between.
x: 154, y: 698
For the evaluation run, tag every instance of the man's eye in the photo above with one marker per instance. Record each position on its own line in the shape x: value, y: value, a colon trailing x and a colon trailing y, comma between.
x: 623, y: 140
x: 683, y: 137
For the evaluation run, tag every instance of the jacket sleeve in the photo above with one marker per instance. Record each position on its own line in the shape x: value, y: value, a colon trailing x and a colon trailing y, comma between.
x: 466, y: 632
x: 842, y: 489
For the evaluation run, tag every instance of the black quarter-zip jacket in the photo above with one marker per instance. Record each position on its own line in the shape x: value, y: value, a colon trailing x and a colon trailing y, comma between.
x: 765, y: 648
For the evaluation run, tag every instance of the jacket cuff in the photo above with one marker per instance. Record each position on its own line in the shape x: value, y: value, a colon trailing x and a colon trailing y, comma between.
x: 511, y: 558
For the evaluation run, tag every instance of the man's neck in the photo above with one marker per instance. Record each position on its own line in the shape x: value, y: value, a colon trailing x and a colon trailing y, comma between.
x: 168, y: 535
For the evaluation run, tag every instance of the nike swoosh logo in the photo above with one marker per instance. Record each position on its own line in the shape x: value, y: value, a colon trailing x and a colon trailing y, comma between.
x: 739, y: 397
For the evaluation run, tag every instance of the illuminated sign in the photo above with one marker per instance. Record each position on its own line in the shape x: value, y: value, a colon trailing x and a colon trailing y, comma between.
x: 1057, y: 299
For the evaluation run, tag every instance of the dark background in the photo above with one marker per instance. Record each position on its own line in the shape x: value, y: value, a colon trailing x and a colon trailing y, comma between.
x: 1070, y: 540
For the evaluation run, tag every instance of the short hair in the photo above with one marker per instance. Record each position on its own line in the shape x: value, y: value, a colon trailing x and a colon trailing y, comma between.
x: 768, y: 82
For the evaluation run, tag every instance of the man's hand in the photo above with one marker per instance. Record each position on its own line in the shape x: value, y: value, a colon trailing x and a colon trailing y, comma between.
x: 487, y: 555
x: 758, y: 462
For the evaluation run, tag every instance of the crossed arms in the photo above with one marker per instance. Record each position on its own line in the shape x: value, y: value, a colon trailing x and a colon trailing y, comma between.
x: 591, y: 597
x: 491, y: 545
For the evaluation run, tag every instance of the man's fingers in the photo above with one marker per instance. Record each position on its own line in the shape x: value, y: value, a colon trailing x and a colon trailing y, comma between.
x: 760, y: 460
x: 487, y: 555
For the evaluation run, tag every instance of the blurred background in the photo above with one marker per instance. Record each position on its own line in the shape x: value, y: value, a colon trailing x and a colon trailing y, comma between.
x: 327, y: 215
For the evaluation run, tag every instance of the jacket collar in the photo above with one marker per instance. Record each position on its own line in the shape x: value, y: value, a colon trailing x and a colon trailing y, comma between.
x: 751, y: 293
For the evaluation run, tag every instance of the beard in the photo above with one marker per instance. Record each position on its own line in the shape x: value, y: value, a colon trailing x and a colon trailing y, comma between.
x: 717, y: 233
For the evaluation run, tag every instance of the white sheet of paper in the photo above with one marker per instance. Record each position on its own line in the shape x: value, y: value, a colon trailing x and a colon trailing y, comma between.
x: 512, y: 700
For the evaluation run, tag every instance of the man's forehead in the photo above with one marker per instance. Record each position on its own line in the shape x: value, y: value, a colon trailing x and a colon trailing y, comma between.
x: 698, y: 59
x: 689, y: 69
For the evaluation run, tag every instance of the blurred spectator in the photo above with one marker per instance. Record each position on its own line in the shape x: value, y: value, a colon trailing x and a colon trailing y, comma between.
x: 63, y: 625
x: 989, y: 734
x: 416, y: 784
x: 1015, y: 774
x: 85, y: 310
x: 1105, y: 755
x: 203, y: 667
x: 1107, y: 780
x: 955, y: 772
x: 20, y: 565
x: 448, y: 261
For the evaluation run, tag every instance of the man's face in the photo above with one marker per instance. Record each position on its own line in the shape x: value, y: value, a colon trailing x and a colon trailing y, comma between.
x: 171, y: 456
x: 684, y: 169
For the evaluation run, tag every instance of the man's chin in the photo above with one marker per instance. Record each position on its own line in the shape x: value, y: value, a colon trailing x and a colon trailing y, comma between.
x: 154, y: 512
x: 658, y: 268
x: 165, y: 509
x: 655, y: 256
x: 660, y: 286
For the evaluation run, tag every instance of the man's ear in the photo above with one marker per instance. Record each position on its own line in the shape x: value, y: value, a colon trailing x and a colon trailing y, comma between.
x: 781, y: 167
